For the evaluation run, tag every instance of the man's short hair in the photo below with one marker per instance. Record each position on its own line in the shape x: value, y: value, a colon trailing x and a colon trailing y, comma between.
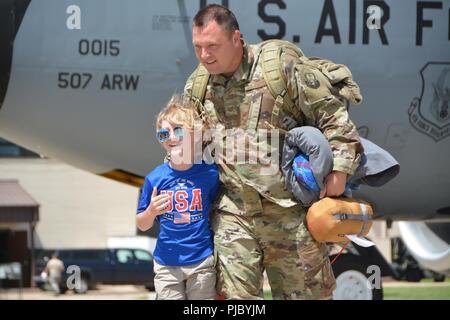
x: 220, y: 14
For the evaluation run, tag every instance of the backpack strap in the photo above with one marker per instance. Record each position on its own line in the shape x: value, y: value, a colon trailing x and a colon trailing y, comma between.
x: 339, y: 76
x: 199, y: 85
x: 273, y: 75
x: 270, y: 54
x: 255, y: 108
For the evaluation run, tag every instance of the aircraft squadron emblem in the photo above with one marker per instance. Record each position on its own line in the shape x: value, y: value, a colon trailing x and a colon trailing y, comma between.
x: 430, y: 114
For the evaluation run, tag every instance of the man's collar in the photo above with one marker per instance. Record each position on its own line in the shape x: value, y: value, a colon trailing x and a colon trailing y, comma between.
x: 242, y: 73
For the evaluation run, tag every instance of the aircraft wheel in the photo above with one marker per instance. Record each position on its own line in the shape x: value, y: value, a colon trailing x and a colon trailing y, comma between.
x: 352, y: 279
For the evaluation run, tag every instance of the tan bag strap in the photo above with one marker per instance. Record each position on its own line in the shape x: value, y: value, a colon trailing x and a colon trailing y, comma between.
x: 364, y: 217
x: 200, y: 83
x: 199, y: 86
x: 276, y: 83
x: 274, y: 76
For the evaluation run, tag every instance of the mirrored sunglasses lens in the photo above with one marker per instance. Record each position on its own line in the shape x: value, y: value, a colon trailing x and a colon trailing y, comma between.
x: 163, y: 135
x: 178, y: 132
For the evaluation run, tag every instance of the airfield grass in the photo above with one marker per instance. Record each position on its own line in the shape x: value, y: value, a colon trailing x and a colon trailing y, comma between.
x: 418, y: 293
x: 397, y: 293
x: 407, y: 292
x: 426, y: 293
x: 402, y: 293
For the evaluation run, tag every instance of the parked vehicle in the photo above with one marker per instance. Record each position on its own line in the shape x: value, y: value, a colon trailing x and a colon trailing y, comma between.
x: 107, y: 266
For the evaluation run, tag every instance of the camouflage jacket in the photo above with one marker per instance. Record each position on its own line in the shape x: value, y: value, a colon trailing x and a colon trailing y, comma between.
x: 244, y: 108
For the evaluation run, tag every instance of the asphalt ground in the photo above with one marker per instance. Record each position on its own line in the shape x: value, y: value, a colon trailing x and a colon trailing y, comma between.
x: 102, y: 292
x: 130, y: 292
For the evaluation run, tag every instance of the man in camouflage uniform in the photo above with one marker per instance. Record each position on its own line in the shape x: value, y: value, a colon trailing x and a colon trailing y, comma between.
x: 258, y: 224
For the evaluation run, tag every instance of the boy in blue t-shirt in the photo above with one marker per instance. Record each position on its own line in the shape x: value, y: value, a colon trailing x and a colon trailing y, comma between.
x: 179, y: 194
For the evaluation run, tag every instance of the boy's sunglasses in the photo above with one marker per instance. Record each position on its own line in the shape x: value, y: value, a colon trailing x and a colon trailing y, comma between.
x: 163, y: 134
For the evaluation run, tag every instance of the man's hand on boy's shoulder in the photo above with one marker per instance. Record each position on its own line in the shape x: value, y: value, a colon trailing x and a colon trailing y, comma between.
x: 334, y: 184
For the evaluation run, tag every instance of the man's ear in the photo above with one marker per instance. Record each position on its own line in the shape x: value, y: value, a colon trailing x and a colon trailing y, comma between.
x: 236, y: 37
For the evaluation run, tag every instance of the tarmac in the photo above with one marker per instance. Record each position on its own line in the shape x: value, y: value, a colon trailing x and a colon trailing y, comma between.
x: 102, y: 292
x: 131, y: 292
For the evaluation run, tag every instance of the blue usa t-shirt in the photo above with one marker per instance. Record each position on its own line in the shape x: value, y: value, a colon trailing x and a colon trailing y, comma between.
x: 185, y: 235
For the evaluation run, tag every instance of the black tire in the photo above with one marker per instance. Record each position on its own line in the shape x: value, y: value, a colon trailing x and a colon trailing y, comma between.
x: 413, y: 274
x: 439, y: 278
x: 63, y: 289
x: 42, y: 286
x: 84, y: 285
x: 352, y: 278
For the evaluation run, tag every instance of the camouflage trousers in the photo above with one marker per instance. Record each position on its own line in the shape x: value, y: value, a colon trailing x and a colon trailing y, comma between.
x: 276, y: 241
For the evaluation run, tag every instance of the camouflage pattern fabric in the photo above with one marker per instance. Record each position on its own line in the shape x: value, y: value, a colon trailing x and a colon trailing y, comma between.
x: 234, y: 99
x: 258, y: 224
x: 277, y: 241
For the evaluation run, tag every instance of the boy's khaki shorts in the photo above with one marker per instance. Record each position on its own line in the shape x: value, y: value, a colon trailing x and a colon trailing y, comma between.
x: 194, y: 282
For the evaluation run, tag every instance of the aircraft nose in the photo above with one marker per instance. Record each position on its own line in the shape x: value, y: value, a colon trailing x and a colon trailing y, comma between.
x: 11, y: 15
x: 6, y: 38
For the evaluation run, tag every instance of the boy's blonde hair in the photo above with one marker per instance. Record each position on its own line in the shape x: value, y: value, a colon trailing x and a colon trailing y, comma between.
x: 179, y: 111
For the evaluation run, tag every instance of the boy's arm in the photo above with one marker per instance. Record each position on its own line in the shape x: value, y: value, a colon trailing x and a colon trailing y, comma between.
x: 158, y: 206
x: 145, y: 219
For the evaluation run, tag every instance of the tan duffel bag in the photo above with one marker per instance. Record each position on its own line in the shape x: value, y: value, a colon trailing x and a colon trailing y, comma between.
x: 330, y: 219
